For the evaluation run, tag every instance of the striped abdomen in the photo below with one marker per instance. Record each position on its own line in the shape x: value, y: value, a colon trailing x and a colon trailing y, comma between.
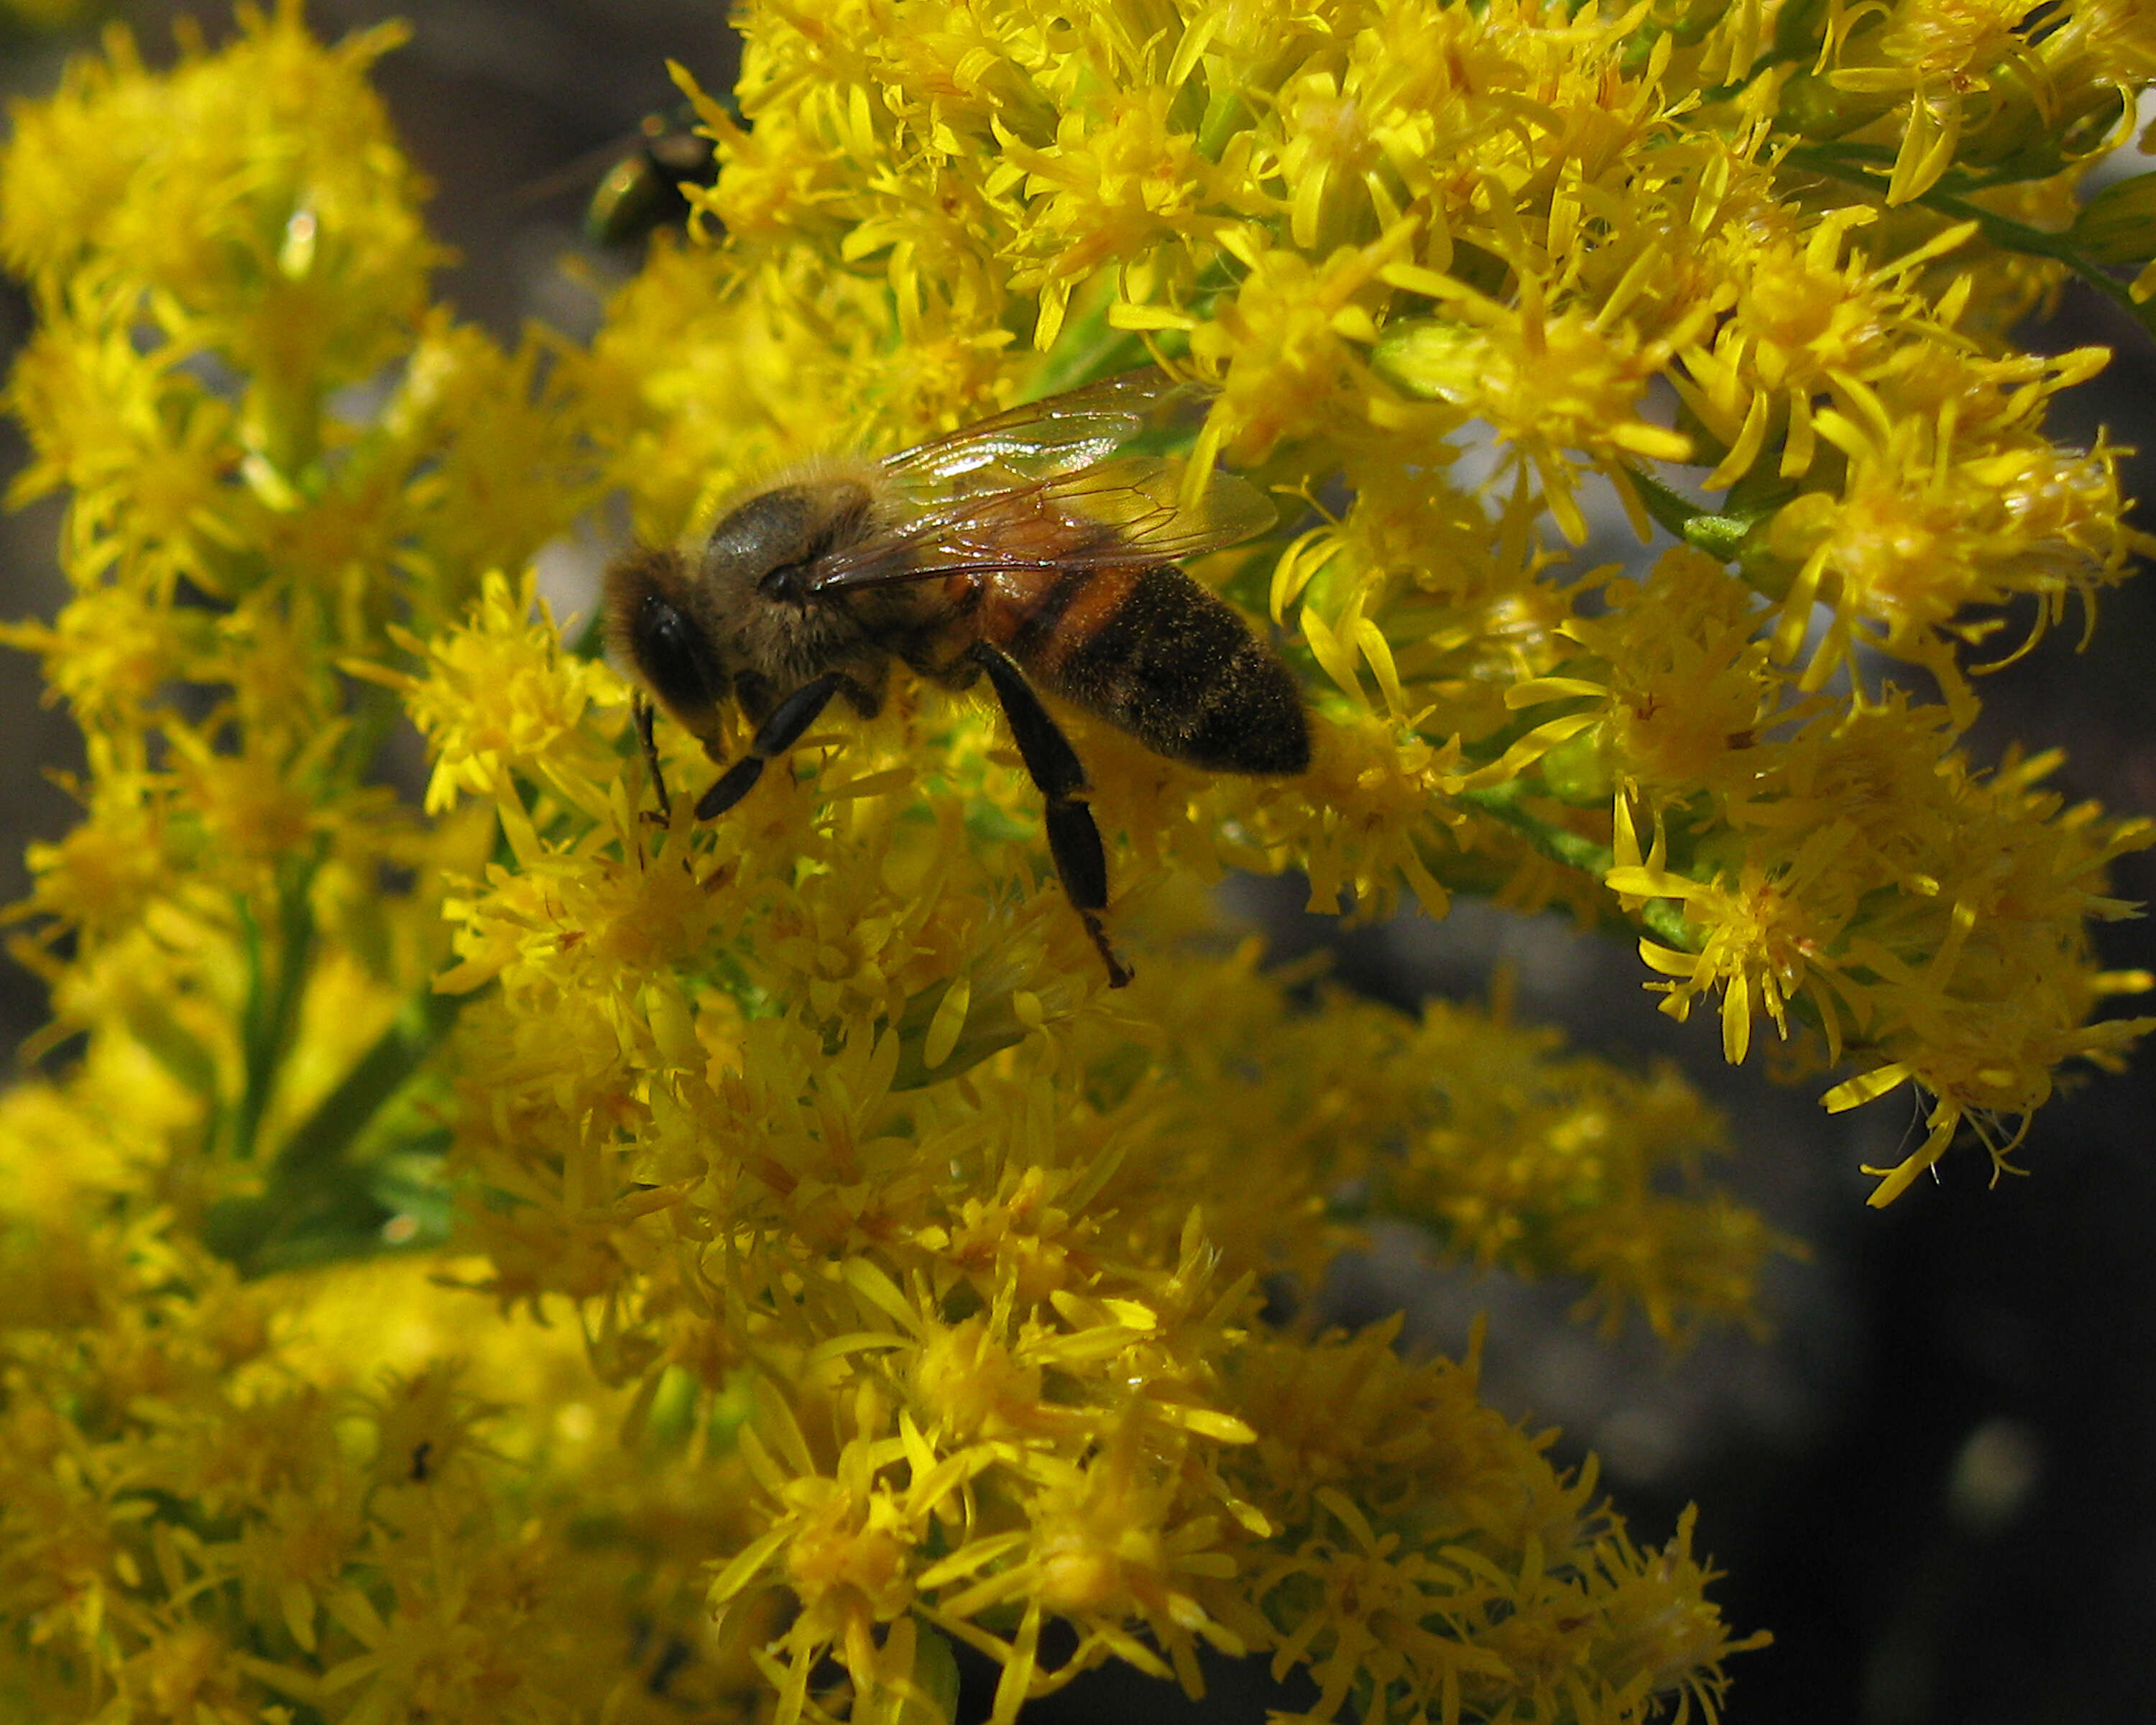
x: 1157, y: 655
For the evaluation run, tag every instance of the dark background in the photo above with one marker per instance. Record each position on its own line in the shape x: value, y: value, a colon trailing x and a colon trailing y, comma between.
x: 1933, y: 1482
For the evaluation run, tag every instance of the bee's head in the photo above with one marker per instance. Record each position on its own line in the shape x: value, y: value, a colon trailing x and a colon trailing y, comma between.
x: 653, y: 622
x: 742, y: 618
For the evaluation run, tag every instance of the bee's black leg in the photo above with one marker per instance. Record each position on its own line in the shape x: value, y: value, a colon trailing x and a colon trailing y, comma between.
x: 646, y: 713
x: 1074, y: 841
x: 779, y: 731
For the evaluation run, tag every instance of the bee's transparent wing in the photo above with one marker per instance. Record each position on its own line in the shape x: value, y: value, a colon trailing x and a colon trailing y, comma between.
x: 1042, y: 486
x: 1057, y: 435
x: 1117, y: 514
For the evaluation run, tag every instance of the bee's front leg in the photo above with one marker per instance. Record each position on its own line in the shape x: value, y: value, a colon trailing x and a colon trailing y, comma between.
x: 779, y: 731
x: 1074, y: 838
x: 646, y: 713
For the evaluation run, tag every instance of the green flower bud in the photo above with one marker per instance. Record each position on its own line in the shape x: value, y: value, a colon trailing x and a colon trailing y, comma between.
x: 2118, y: 224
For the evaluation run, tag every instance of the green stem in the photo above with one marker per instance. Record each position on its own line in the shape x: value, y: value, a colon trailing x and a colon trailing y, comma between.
x: 275, y: 983
x: 1722, y: 537
x: 1882, y: 157
x: 374, y: 712
x: 1091, y: 348
x: 1507, y: 805
x: 325, y: 1135
x: 1225, y: 116
x: 313, y: 1159
x: 2001, y: 231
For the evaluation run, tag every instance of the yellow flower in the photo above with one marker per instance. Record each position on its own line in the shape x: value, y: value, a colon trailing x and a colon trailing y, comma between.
x: 842, y: 1271
x: 501, y: 697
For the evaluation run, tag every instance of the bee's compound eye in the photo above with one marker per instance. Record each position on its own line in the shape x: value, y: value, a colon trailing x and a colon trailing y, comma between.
x: 673, y: 653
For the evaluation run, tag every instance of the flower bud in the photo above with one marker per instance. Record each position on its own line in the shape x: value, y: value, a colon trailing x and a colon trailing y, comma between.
x: 2118, y: 224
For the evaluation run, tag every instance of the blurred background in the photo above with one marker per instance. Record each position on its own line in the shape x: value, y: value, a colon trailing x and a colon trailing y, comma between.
x: 1931, y: 1482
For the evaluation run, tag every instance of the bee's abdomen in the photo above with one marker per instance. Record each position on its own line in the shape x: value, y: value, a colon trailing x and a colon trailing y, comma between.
x: 1156, y: 654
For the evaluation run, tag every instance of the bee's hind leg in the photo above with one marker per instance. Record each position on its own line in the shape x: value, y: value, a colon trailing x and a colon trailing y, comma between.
x: 1074, y: 839
x: 781, y: 729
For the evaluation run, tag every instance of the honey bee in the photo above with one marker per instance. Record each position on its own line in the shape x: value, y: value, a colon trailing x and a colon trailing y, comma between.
x: 1031, y: 548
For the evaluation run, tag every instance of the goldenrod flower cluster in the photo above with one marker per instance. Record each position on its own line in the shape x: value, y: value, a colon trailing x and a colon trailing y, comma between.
x: 517, y: 1259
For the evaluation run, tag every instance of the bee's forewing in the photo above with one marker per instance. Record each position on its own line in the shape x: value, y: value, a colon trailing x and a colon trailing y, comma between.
x: 1030, y: 488
x: 1142, y: 497
x: 1058, y: 434
x: 1055, y: 523
x: 1010, y: 458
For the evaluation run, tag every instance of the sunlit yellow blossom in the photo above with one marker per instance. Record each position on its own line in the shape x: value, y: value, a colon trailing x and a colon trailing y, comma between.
x: 528, y: 1257
x: 1688, y: 691
x: 500, y: 697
